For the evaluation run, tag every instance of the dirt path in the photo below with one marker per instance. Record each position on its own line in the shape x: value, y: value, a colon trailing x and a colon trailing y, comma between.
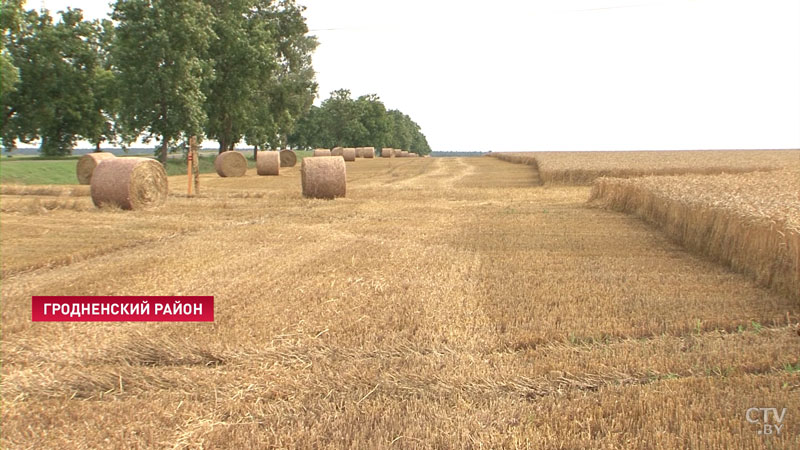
x: 444, y: 303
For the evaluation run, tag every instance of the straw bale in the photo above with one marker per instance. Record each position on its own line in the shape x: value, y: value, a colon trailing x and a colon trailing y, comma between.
x: 130, y: 183
x: 231, y: 164
x: 87, y: 163
x: 269, y: 163
x: 324, y: 177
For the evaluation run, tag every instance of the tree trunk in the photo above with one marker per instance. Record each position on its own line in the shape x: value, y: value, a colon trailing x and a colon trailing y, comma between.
x: 97, y: 147
x: 255, y: 153
x: 164, y: 149
x: 222, y: 146
x: 164, y: 138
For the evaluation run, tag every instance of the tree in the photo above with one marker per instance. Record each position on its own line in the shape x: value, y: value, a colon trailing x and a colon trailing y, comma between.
x: 401, y: 134
x: 374, y: 119
x: 243, y: 58
x: 340, y: 121
x: 406, y: 134
x: 309, y: 132
x: 106, y: 89
x: 344, y: 122
x: 294, y: 88
x: 10, y: 27
x: 54, y: 98
x: 161, y: 54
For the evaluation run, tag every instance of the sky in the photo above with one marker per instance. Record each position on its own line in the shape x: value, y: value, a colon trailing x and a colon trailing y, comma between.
x: 566, y: 74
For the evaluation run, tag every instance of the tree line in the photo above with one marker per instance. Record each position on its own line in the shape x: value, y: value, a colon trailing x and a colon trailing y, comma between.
x: 232, y: 70
x: 341, y: 121
x: 229, y: 70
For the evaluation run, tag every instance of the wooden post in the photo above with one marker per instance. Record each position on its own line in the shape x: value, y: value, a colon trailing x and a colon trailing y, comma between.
x: 196, y: 159
x: 189, y: 165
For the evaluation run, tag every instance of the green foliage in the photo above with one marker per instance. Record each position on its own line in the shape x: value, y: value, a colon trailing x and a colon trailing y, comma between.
x: 10, y: 12
x: 59, y: 63
x: 164, y: 70
x: 242, y: 57
x: 292, y: 89
x: 342, y: 121
x: 161, y: 54
x: 264, y: 78
x: 9, y: 74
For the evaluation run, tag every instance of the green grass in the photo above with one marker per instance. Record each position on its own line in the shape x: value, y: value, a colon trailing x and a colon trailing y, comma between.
x: 177, y: 166
x: 62, y: 171
x: 38, y: 172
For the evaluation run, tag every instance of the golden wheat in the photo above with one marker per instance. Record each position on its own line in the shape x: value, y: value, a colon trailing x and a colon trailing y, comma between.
x: 581, y: 168
x: 748, y: 221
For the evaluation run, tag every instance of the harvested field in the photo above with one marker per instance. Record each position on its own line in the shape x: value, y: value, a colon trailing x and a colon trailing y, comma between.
x: 46, y: 190
x: 581, y: 168
x: 750, y: 222
x: 513, y: 316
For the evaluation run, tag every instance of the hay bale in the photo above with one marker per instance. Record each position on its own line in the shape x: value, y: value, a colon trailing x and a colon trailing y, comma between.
x: 130, y: 183
x: 288, y: 158
x: 269, y: 163
x: 230, y: 164
x: 337, y: 151
x: 358, y: 152
x: 368, y: 152
x: 387, y: 153
x: 87, y: 163
x: 404, y: 154
x: 322, y: 152
x: 324, y: 177
x: 349, y: 154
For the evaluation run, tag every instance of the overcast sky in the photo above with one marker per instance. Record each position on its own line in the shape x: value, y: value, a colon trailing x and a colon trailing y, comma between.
x: 566, y: 74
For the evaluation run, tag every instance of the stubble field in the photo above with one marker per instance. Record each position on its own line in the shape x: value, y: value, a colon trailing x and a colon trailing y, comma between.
x: 443, y: 303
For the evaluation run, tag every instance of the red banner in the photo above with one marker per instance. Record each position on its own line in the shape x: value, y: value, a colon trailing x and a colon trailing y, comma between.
x: 122, y: 309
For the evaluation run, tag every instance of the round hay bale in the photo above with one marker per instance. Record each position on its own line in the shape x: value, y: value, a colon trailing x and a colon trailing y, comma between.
x: 349, y: 154
x: 87, y: 163
x: 288, y: 158
x: 322, y: 152
x: 387, y: 153
x: 368, y: 152
x: 130, y: 183
x: 324, y: 177
x: 337, y: 151
x: 403, y: 154
x: 269, y: 163
x: 231, y: 164
x: 358, y: 152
